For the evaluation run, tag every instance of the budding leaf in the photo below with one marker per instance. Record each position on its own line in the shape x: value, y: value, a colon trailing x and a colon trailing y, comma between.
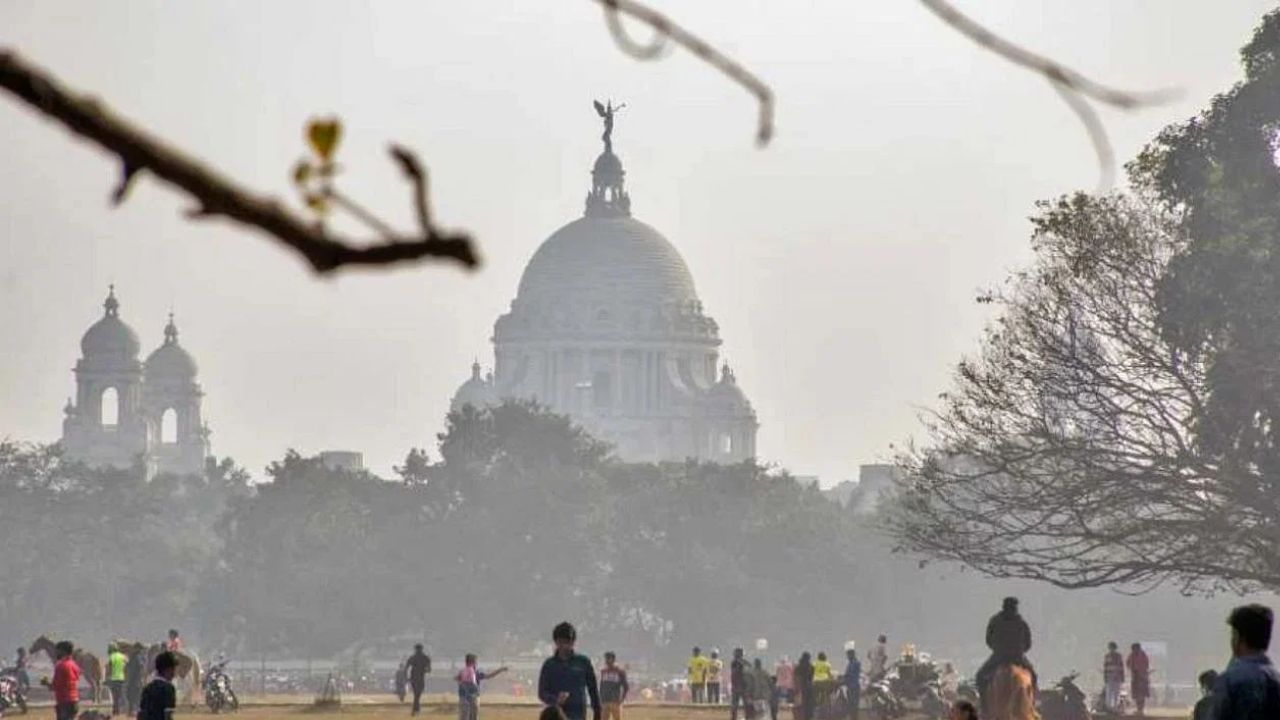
x: 323, y: 136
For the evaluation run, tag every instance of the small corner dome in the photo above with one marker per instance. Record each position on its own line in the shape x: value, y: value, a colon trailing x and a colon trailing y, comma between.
x: 726, y: 392
x: 596, y: 258
x: 171, y: 360
x: 476, y: 392
x: 110, y: 336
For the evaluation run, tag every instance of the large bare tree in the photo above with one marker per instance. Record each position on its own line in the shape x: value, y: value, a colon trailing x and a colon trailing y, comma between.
x: 1067, y: 451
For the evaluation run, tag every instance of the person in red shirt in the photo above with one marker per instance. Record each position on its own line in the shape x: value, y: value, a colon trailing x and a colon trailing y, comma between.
x: 66, y: 681
x: 1139, y: 676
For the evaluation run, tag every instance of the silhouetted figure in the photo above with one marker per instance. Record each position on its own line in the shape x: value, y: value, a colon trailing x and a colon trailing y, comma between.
x: 418, y: 665
x: 1249, y: 689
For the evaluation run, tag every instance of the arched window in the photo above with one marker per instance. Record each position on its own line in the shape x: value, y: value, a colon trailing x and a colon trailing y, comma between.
x: 169, y: 426
x: 726, y: 444
x: 110, y: 413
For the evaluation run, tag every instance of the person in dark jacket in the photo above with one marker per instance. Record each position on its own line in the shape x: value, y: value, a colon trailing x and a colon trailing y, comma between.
x: 567, y: 679
x: 1009, y: 638
x: 159, y: 697
x: 134, y: 670
x: 1249, y: 689
x: 738, y: 684
x: 418, y: 665
x: 803, y: 678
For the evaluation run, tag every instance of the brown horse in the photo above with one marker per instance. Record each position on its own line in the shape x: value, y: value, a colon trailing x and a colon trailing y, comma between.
x: 90, y: 666
x: 188, y: 669
x: 1012, y: 695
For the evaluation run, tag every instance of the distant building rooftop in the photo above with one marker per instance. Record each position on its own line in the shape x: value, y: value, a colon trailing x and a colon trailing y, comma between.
x: 342, y: 460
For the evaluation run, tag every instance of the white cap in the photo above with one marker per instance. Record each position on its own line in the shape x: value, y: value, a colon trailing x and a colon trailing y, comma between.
x: 850, y: 645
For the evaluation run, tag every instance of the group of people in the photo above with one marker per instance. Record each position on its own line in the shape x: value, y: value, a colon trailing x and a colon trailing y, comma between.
x: 155, y: 701
x: 806, y: 685
x: 1114, y: 666
x: 1249, y: 688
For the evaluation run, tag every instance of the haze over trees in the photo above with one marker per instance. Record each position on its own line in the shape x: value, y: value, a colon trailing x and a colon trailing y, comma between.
x: 523, y: 520
x: 1119, y: 424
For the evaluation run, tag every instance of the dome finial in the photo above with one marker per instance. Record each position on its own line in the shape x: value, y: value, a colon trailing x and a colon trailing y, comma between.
x: 170, y: 331
x: 111, y: 305
x: 607, y: 198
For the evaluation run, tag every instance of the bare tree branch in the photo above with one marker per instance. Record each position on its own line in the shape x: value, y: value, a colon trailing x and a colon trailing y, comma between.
x: 1066, y: 450
x: 665, y: 28
x: 215, y: 194
x: 1073, y: 86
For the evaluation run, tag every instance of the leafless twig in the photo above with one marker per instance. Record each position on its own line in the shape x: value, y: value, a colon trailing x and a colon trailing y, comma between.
x: 666, y: 29
x: 215, y: 194
x: 1074, y: 87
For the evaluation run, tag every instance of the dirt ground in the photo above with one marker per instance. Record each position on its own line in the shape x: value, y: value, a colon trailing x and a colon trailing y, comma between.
x: 440, y: 707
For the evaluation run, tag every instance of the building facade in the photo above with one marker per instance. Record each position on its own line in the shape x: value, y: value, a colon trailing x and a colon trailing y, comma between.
x: 129, y: 412
x: 607, y: 327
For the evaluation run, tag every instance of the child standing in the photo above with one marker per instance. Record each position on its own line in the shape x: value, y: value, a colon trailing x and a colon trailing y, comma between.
x: 469, y: 679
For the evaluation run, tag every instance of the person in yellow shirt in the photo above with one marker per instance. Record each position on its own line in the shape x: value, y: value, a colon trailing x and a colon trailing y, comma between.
x: 116, y: 661
x: 698, y: 676
x: 822, y: 680
x: 715, y: 666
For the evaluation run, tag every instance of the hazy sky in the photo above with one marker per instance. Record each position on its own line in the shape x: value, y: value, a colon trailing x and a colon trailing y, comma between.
x: 841, y: 262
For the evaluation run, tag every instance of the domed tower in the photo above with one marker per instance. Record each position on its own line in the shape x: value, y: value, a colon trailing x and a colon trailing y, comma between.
x: 607, y: 327
x: 177, y: 436
x: 477, y: 391
x: 105, y: 425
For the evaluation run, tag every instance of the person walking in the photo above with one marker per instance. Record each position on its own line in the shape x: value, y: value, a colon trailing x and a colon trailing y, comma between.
x: 1249, y: 689
x: 853, y: 680
x: 739, y: 687
x: 418, y: 665
x: 159, y: 697
x: 469, y: 679
x: 697, y: 676
x: 20, y: 670
x: 133, y: 672
x: 401, y: 681
x: 1112, y: 677
x: 715, y: 668
x: 116, y: 662
x: 1139, y: 676
x: 613, y: 687
x: 65, y: 683
x: 804, y: 687
x: 567, y: 679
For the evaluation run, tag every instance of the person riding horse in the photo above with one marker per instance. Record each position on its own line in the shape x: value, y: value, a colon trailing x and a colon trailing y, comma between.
x: 1009, y: 638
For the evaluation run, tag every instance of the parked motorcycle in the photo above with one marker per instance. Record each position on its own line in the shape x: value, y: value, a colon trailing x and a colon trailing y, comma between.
x: 1065, y: 701
x: 218, y: 694
x: 932, y: 704
x: 882, y: 701
x: 12, y: 693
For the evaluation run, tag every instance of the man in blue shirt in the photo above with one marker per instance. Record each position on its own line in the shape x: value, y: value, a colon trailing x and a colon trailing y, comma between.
x: 853, y: 681
x: 567, y: 678
x: 1249, y: 689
